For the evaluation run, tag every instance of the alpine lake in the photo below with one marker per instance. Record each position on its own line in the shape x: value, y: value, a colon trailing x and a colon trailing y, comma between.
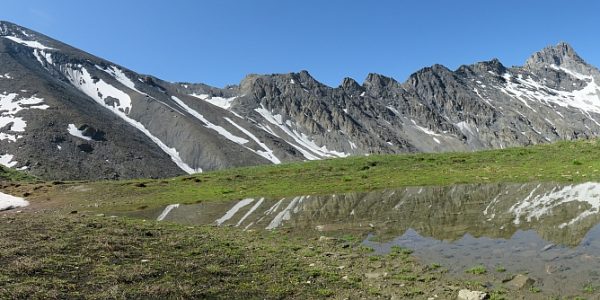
x: 549, y: 231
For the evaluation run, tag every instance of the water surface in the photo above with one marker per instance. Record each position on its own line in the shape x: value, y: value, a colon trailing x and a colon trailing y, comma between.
x: 547, y: 229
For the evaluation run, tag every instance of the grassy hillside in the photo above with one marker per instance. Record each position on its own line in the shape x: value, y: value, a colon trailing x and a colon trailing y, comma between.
x: 564, y: 161
x: 7, y: 174
x: 72, y: 250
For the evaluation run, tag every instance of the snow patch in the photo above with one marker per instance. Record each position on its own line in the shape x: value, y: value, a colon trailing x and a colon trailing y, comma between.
x: 220, y: 130
x: 7, y: 136
x: 352, y: 145
x: 267, y: 153
x: 7, y: 160
x: 43, y: 57
x: 394, y: 110
x: 224, y: 103
x: 99, y: 90
x: 74, y: 131
x: 425, y: 130
x: 307, y: 147
x: 5, y: 76
x: 30, y: 44
x: 465, y: 128
x: 10, y: 202
x: 120, y: 76
x: 586, y: 99
x: 10, y: 105
x: 487, y: 100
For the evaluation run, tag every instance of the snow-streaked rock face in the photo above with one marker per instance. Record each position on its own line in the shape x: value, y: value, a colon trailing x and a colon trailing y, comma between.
x: 190, y: 127
x: 10, y: 122
x: 120, y: 103
x: 105, y: 94
x: 28, y: 43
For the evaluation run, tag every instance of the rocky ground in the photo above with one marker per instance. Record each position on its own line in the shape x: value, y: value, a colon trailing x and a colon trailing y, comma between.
x: 49, y: 254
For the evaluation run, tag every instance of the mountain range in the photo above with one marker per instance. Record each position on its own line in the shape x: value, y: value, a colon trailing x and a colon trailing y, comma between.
x: 66, y: 114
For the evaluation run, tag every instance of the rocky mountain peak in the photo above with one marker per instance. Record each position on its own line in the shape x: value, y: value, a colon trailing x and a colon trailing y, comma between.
x: 10, y: 29
x: 559, y: 55
x: 493, y: 65
x: 375, y: 80
x: 6, y: 28
x: 250, y: 83
x: 350, y: 84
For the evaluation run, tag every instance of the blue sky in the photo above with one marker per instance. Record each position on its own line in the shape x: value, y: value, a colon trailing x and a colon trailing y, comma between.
x: 219, y: 42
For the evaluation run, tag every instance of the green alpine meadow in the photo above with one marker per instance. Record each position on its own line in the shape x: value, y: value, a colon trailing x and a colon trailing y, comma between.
x: 68, y: 243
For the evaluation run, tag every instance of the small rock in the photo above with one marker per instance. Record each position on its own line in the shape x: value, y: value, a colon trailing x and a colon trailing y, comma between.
x: 548, y: 247
x: 145, y: 260
x: 326, y: 238
x: 465, y: 294
x: 520, y: 282
x: 311, y: 265
x: 375, y: 275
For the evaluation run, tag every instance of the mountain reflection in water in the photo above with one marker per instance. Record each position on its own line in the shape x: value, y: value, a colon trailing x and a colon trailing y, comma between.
x: 561, y: 214
x: 549, y: 230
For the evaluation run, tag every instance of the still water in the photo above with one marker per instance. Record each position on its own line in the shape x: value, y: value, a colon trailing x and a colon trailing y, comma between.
x: 549, y: 230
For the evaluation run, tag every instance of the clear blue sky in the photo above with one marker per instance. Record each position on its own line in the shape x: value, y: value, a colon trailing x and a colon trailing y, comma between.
x: 219, y: 42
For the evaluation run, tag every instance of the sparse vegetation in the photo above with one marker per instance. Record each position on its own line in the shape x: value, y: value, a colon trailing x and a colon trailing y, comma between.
x: 7, y: 174
x: 76, y: 255
x: 477, y: 270
x: 535, y: 289
x: 590, y: 288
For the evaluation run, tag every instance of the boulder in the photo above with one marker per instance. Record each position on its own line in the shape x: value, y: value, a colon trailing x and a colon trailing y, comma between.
x: 465, y: 294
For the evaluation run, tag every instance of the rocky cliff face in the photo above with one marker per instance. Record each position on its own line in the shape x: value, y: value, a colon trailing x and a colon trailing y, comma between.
x: 66, y: 114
